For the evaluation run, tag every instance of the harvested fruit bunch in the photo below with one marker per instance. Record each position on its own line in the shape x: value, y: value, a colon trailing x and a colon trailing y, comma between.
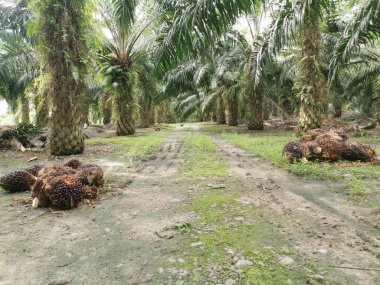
x: 64, y: 186
x: 65, y: 196
x: 91, y: 192
x: 55, y: 170
x: 69, y: 180
x: 73, y: 163
x: 18, y: 181
x: 294, y: 151
x: 330, y: 145
x: 354, y: 151
x: 90, y: 174
x: 34, y: 169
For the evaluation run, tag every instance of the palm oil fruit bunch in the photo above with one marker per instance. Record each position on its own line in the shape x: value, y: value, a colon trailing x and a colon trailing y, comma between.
x: 18, y: 181
x: 62, y: 186
x: 34, y: 169
x: 64, y: 195
x: 73, y: 163
x: 332, y: 145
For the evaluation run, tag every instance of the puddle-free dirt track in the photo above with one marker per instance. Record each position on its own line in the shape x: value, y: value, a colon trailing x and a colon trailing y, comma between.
x: 119, y: 241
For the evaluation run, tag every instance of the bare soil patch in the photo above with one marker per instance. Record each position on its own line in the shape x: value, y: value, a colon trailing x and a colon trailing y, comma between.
x: 337, y: 234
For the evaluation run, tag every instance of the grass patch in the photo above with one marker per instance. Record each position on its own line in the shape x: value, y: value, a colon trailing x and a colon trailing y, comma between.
x: 133, y: 146
x: 201, y: 157
x: 245, y: 237
x: 356, y: 179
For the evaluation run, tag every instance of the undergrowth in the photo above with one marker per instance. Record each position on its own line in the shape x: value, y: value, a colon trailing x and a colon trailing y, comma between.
x: 131, y: 146
x: 228, y: 231
x: 356, y: 179
x: 201, y: 157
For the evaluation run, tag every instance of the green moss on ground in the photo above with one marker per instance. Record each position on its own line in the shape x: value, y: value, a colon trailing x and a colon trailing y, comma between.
x: 201, y: 157
x: 228, y: 232
x: 360, y: 181
x: 132, y: 146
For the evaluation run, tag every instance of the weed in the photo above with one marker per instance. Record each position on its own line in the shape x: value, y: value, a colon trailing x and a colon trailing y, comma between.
x: 270, y: 147
x: 201, y: 157
x: 132, y: 146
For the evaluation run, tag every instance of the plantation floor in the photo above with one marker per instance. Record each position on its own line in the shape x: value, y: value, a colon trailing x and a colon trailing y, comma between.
x: 186, y: 206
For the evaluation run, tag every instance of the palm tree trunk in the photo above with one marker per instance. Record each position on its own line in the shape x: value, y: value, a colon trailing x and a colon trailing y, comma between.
x: 123, y: 110
x: 25, y: 118
x: 313, y: 95
x: 42, y: 110
x: 266, y: 111
x: 376, y: 107
x: 86, y: 109
x: 220, y: 111
x: 233, y: 110
x: 337, y: 110
x: 145, y: 114
x: 66, y: 136
x: 254, y: 95
x: 105, y: 105
x: 214, y: 117
x: 287, y: 106
x: 152, y: 116
x: 63, y: 51
x: 256, y: 119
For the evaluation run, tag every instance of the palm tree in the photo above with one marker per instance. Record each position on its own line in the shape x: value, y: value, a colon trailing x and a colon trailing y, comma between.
x: 105, y: 107
x: 202, y: 22
x: 210, y: 84
x: 126, y: 63
x: 363, y: 81
x: 299, y: 21
x: 61, y: 28
x: 18, y: 69
x: 147, y: 91
x: 18, y: 66
x: 363, y: 29
x: 254, y: 94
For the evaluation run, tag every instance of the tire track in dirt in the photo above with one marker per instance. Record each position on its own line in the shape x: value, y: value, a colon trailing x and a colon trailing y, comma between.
x: 115, y: 243
x: 166, y: 161
x: 317, y: 220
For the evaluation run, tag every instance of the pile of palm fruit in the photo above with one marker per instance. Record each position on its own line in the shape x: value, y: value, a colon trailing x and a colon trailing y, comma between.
x: 332, y: 145
x: 62, y: 186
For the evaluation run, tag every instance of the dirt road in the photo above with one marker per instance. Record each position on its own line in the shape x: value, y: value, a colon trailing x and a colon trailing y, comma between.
x: 124, y: 240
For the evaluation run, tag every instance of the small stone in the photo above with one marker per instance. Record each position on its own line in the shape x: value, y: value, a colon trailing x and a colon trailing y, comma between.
x: 239, y: 219
x: 160, y: 270
x: 243, y: 263
x: 171, y: 259
x: 347, y: 176
x: 286, y: 260
x: 173, y: 271
x: 230, y: 282
x: 318, y: 277
x: 323, y: 251
x: 108, y: 230
x: 246, y: 201
x: 230, y: 251
x: 302, y: 209
x: 180, y: 260
x: 196, y: 244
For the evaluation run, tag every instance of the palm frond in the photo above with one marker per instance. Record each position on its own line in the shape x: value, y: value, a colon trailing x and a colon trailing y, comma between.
x: 202, y: 21
x: 365, y: 28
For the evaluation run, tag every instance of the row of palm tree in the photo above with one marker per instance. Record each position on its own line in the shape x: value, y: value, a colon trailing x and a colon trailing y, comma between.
x: 187, y: 57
